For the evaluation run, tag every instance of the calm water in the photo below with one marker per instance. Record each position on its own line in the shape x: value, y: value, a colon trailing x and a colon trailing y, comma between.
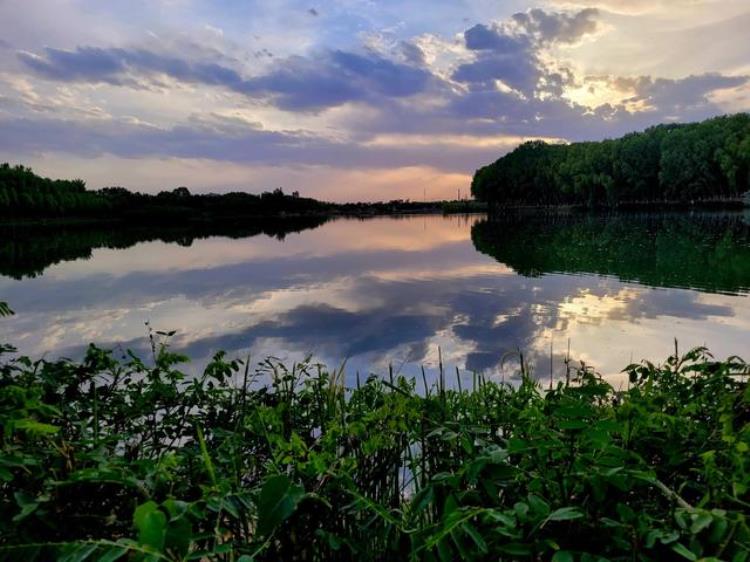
x: 390, y: 290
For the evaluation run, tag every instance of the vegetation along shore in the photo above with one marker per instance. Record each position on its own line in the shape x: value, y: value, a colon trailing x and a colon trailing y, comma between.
x: 117, y: 458
x: 26, y: 197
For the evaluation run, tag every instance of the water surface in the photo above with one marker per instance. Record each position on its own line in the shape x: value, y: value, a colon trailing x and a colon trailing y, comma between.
x: 390, y: 290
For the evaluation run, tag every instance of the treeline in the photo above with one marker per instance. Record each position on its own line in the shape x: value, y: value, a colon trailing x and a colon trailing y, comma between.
x: 26, y: 195
x: 180, y: 202
x: 676, y: 163
x: 23, y: 193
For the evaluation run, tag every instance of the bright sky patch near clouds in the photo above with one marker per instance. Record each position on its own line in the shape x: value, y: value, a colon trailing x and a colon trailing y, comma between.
x: 347, y: 99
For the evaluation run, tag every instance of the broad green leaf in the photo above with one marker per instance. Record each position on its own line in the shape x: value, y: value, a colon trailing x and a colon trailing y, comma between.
x: 27, y: 503
x: 179, y: 536
x: 151, y: 523
x: 565, y: 514
x: 538, y: 505
x: 700, y: 522
x: 684, y: 552
x: 278, y: 500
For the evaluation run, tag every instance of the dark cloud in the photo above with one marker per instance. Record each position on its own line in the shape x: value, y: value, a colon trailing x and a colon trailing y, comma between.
x: 484, y: 109
x: 553, y: 27
x: 510, y: 53
x: 241, y: 143
x: 412, y: 53
x: 301, y: 83
x: 471, y: 103
x: 682, y: 94
x: 494, y: 38
x: 294, y: 83
x: 83, y: 64
x: 520, y: 73
x: 500, y: 56
x: 324, y: 329
x: 113, y: 65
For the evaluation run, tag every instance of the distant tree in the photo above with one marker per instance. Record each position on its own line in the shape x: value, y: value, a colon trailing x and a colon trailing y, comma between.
x: 24, y: 194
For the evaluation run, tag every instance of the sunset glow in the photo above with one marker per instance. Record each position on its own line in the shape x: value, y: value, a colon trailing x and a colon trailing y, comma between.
x: 347, y: 100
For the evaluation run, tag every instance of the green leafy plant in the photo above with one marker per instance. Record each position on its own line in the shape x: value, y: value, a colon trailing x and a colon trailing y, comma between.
x: 115, y: 458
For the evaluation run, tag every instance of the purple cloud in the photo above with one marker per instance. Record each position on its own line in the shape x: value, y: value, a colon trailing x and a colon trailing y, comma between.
x: 294, y: 83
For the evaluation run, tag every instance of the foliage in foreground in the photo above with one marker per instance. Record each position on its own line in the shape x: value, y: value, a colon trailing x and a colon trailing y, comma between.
x: 116, y: 460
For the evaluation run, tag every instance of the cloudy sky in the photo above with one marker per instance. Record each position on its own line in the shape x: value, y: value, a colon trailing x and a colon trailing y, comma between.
x: 347, y: 99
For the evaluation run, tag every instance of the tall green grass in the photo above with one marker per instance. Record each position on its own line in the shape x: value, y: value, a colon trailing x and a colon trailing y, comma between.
x: 119, y: 459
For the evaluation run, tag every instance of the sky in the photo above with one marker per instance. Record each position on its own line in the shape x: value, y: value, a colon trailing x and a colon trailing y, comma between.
x: 348, y: 100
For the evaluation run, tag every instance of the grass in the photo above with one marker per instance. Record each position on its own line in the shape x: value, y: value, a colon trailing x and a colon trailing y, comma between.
x: 120, y: 459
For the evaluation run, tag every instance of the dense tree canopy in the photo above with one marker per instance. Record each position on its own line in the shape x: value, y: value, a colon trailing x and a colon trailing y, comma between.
x: 700, y: 161
x: 24, y: 193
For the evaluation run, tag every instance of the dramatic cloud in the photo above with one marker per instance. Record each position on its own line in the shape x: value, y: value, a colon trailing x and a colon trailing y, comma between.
x: 493, y: 38
x: 510, y: 52
x: 521, y: 73
x: 296, y: 83
x: 362, y: 85
x: 301, y: 83
x: 683, y: 94
x: 558, y: 27
x: 229, y: 143
x: 122, y: 66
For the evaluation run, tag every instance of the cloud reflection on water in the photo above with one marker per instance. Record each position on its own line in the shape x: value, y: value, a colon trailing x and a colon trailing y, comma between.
x: 372, y: 292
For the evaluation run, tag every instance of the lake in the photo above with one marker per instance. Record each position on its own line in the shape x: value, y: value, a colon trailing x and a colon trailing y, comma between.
x: 390, y: 290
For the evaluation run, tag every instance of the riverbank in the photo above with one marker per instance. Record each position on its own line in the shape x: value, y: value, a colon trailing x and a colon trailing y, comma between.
x: 713, y: 204
x: 27, y: 197
x: 116, y: 458
x: 346, y: 210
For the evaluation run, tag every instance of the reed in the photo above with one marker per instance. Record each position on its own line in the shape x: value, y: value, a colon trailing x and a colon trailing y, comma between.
x: 122, y: 459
